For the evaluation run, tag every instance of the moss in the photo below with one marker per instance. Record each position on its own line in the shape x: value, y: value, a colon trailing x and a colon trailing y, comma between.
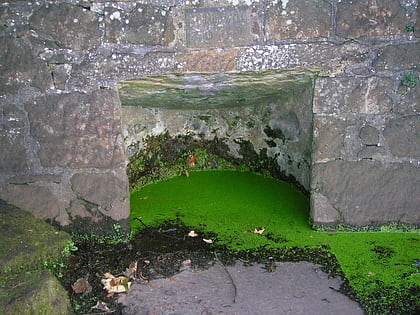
x: 233, y: 203
x: 28, y: 243
x: 35, y: 292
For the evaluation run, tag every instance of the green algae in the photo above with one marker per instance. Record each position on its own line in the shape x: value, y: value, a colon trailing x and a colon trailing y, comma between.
x: 379, y: 267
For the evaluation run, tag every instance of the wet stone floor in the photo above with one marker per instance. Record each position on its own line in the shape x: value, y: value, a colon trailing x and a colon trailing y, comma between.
x: 166, y: 254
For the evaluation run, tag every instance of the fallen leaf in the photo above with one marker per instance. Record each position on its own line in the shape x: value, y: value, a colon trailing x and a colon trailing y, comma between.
x: 186, y: 262
x: 152, y: 285
x: 101, y: 306
x: 115, y: 284
x: 131, y: 271
x: 208, y: 241
x: 144, y: 198
x: 82, y: 286
x: 192, y: 234
x: 259, y: 230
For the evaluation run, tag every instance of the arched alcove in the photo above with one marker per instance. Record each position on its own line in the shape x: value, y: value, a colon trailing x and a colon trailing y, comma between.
x: 260, y: 120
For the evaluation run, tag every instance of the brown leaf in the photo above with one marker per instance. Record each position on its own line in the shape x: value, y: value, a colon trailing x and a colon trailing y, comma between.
x: 81, y: 286
x: 131, y: 271
x: 144, y: 198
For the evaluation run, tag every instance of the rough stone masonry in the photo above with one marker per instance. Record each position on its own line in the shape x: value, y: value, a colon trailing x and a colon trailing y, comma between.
x: 62, y: 138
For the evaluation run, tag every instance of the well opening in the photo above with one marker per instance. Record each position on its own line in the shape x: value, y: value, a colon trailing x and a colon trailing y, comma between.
x: 257, y: 121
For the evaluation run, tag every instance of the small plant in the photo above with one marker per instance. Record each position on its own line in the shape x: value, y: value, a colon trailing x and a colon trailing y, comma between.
x: 7, y: 269
x: 409, y: 79
x: 70, y: 247
x: 411, y: 29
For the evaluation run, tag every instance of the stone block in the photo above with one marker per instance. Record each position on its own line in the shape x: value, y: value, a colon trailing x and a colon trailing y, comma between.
x: 322, y: 211
x: 70, y: 26
x: 143, y: 24
x: 332, y: 59
x: 398, y: 57
x: 407, y: 100
x: 107, y: 192
x: 368, y: 192
x: 369, y: 135
x: 61, y: 75
x: 403, y: 136
x: 218, y: 27
x: 12, y: 142
x: 328, y: 138
x: 213, y: 60
x: 18, y: 65
x: 298, y: 19
x: 77, y: 130
x: 370, y: 18
x: 353, y: 95
x: 40, y: 201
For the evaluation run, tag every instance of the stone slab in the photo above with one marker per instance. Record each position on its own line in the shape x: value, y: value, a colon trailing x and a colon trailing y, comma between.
x: 353, y: 95
x: 40, y: 201
x: 398, y: 57
x: 218, y: 27
x: 368, y: 192
x: 77, y: 129
x: 70, y: 26
x: 100, y: 189
x: 19, y: 65
x: 370, y: 18
x: 403, y: 136
x: 12, y: 141
x: 142, y: 24
x: 298, y: 19
x: 293, y: 288
x: 209, y: 60
x: 331, y: 59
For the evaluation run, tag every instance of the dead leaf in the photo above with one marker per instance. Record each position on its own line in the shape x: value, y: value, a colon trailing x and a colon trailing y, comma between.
x: 259, y: 230
x: 131, y: 271
x: 82, y: 286
x: 152, y: 285
x: 186, y: 262
x: 144, y: 198
x: 101, y: 306
x: 208, y: 241
x: 192, y: 234
x: 115, y: 284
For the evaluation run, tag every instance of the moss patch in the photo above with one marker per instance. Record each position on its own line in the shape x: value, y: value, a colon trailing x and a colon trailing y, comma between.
x: 28, y: 243
x: 380, y: 267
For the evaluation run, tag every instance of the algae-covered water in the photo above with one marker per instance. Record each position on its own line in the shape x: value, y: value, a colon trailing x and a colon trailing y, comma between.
x: 382, y: 268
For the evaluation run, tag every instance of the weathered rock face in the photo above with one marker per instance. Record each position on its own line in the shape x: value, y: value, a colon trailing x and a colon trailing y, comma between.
x: 60, y: 64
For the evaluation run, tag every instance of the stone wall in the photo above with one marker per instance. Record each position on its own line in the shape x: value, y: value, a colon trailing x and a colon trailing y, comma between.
x: 62, y: 147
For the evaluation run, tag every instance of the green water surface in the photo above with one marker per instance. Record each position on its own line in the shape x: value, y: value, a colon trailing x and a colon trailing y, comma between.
x: 232, y: 203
